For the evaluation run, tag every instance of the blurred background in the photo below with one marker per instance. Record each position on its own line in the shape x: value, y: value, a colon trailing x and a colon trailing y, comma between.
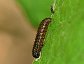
x: 19, y: 20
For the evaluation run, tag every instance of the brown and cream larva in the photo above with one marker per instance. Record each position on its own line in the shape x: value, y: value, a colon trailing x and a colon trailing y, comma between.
x: 38, y: 44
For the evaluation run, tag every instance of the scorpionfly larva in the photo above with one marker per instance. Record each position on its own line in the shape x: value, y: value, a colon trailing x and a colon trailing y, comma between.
x: 39, y: 40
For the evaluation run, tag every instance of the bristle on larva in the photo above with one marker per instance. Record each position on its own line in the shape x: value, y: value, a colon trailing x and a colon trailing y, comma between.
x: 39, y: 40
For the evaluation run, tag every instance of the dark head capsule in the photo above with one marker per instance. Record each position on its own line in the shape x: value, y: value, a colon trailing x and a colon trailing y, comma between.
x: 38, y: 44
x: 36, y: 54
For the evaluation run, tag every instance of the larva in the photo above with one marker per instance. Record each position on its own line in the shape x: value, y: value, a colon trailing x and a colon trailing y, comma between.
x: 38, y: 44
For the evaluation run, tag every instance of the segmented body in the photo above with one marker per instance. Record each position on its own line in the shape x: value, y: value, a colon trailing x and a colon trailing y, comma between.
x: 39, y: 40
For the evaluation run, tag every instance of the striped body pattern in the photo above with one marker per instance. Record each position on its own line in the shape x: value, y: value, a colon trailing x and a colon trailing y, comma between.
x: 38, y: 44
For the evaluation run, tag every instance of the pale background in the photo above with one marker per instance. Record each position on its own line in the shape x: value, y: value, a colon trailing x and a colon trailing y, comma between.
x: 16, y: 34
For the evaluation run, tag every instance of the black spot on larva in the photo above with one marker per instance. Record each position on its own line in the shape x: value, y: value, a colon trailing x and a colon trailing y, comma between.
x: 38, y: 44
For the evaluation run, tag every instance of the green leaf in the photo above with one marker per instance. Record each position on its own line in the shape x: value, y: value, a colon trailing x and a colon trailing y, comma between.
x: 36, y: 10
x: 64, y: 43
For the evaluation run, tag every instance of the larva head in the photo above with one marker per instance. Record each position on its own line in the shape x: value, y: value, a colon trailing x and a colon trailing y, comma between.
x: 36, y: 54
